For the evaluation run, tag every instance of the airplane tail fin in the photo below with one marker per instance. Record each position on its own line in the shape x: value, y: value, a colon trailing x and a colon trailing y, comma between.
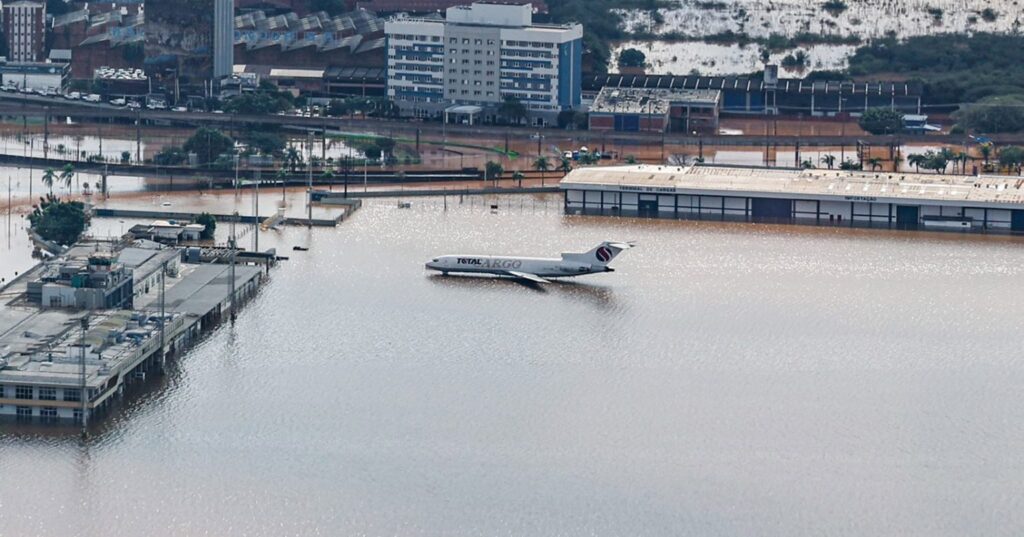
x: 602, y: 254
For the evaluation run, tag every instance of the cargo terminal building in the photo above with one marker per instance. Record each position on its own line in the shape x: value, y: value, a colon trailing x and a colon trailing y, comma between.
x: 824, y: 197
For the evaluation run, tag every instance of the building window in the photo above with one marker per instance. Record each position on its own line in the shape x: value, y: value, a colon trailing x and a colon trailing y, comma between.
x: 73, y: 395
x: 47, y: 394
x: 48, y: 414
x: 23, y: 392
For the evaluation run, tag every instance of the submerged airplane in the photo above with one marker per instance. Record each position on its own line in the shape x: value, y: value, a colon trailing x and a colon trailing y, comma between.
x: 533, y: 269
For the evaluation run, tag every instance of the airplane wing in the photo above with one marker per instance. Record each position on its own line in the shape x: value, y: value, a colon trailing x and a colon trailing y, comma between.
x: 527, y: 276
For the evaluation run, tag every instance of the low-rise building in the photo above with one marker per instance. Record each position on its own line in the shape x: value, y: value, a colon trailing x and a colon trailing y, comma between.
x: 94, y: 282
x: 168, y: 231
x: 655, y: 110
x: 35, y: 75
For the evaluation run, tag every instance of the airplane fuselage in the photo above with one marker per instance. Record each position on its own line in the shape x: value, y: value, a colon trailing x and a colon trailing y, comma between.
x: 502, y: 265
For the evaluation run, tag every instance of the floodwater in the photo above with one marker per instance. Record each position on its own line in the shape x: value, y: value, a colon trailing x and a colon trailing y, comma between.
x: 727, y: 379
x: 863, y: 19
x: 683, y: 58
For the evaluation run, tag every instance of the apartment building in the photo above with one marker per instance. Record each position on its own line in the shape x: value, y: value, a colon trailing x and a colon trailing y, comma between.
x: 25, y: 30
x: 478, y: 56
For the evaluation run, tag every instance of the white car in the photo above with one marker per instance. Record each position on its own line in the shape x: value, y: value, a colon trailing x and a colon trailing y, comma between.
x: 180, y: 109
x: 118, y: 102
x: 74, y: 96
x: 92, y: 98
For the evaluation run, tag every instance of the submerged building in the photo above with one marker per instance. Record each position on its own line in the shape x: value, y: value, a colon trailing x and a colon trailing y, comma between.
x: 824, y: 197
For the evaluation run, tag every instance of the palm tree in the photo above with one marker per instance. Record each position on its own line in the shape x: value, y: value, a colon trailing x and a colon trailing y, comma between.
x: 896, y: 161
x: 493, y: 170
x: 292, y: 158
x: 829, y: 161
x: 48, y: 177
x: 986, y: 152
x: 566, y: 165
x: 518, y: 176
x: 282, y: 174
x: 67, y: 174
x: 963, y: 158
x: 916, y: 160
x: 875, y: 163
x: 542, y: 165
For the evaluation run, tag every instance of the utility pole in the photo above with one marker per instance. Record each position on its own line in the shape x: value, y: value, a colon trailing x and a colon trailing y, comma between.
x: 234, y: 248
x: 309, y: 177
x: 138, y: 136
x: 256, y: 211
x: 84, y: 386
x: 163, y: 311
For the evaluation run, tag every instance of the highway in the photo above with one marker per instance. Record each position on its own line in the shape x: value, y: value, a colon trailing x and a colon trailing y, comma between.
x: 13, y: 104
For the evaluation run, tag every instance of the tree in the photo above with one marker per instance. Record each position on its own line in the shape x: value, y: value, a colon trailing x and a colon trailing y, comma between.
x: 1000, y: 113
x: 963, y: 158
x: 210, y: 222
x: 566, y: 165
x: 493, y: 170
x: 48, y: 178
x: 571, y: 119
x: 292, y: 158
x: 518, y: 176
x: 386, y: 145
x: 630, y: 159
x: 986, y: 151
x: 881, y: 121
x: 267, y: 143
x: 328, y: 176
x: 632, y: 57
x: 542, y: 165
x: 875, y: 163
x: 916, y: 160
x: 512, y: 109
x: 67, y: 174
x: 338, y: 108
x: 1012, y: 158
x: 59, y: 221
x: 372, y: 152
x: 266, y: 100
x: 208, y: 144
x: 126, y: 157
x: 170, y: 156
x: 829, y: 161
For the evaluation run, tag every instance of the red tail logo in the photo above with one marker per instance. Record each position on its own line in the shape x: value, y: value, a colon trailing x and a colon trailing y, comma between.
x: 604, y: 254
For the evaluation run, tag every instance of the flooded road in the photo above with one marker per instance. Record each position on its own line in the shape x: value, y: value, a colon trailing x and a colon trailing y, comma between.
x: 727, y: 379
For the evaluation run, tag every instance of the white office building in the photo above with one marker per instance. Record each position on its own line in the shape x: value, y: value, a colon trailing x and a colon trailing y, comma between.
x: 477, y: 56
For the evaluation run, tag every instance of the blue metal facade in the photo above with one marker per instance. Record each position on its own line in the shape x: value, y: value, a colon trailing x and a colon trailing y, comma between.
x: 570, y: 73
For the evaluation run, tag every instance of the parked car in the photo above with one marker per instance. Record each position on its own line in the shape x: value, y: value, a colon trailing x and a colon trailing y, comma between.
x: 92, y: 98
x: 74, y: 96
x: 180, y: 109
x: 118, y: 102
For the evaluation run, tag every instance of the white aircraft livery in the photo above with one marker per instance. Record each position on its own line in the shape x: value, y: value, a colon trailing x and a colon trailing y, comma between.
x: 534, y: 269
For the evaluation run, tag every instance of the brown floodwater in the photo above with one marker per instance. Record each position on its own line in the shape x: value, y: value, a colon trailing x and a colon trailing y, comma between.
x: 727, y: 379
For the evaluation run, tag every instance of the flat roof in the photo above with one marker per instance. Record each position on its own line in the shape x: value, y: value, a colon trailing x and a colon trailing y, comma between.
x: 650, y: 100
x: 949, y: 189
